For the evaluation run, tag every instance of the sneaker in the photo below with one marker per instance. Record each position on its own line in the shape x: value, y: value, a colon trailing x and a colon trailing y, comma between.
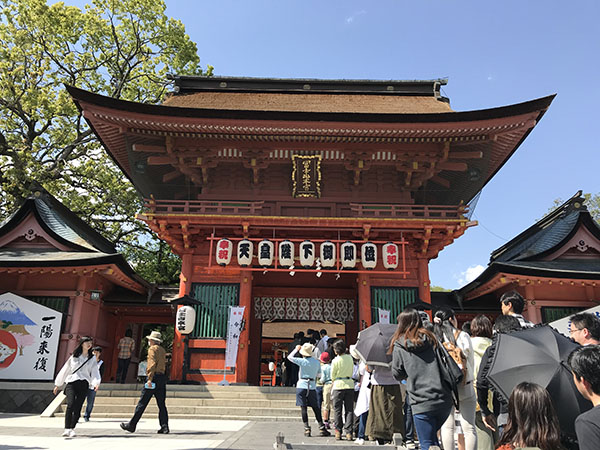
x: 71, y: 433
x: 338, y: 435
x: 326, y: 423
x: 163, y: 430
x: 307, y: 432
x: 359, y: 441
x: 86, y: 419
x: 323, y: 432
x: 349, y: 436
x: 66, y: 432
x: 410, y: 444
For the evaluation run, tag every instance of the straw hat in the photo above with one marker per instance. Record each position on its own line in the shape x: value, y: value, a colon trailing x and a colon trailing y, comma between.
x: 307, y: 349
x: 155, y: 336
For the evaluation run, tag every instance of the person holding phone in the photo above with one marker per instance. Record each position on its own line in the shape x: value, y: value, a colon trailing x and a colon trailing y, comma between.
x: 155, y: 386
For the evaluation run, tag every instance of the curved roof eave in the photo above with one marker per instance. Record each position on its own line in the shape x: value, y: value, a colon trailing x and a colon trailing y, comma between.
x: 540, y: 104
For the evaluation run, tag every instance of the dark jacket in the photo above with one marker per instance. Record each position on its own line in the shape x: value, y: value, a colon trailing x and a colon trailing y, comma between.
x: 417, y: 363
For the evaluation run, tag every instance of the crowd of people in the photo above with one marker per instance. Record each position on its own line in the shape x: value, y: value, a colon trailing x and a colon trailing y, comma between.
x: 358, y: 401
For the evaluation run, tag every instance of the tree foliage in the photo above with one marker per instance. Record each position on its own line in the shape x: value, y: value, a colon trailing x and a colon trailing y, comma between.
x: 592, y: 202
x: 120, y: 48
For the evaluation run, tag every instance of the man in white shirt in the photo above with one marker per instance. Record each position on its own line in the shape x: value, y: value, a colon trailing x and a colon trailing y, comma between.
x: 512, y: 304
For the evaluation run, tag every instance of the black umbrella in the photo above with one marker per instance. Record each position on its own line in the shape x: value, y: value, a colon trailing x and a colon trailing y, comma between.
x: 538, y: 355
x: 418, y: 305
x: 373, y: 343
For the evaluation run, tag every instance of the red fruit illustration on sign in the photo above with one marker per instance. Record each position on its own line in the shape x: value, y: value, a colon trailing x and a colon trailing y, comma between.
x: 8, y: 349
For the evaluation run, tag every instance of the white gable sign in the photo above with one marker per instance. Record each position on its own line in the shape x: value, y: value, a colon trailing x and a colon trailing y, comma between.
x: 29, y: 338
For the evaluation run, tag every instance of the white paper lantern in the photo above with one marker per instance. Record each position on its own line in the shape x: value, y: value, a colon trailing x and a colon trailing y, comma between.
x: 348, y: 255
x: 368, y: 255
x: 224, y: 251
x: 307, y: 254
x: 286, y: 254
x: 327, y: 254
x: 185, y: 320
x: 245, y: 249
x: 390, y: 255
x: 265, y: 252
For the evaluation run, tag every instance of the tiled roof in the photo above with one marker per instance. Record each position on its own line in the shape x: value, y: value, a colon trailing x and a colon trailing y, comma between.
x: 25, y: 257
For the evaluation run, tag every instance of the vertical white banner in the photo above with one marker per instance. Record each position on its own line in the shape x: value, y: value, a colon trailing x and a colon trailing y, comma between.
x: 236, y: 316
x: 384, y: 316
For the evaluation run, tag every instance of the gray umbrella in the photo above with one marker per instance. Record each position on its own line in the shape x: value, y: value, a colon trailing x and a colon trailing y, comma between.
x: 373, y: 343
x: 538, y: 355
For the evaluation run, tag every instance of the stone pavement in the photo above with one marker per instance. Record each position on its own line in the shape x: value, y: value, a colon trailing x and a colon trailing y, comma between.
x: 27, y: 432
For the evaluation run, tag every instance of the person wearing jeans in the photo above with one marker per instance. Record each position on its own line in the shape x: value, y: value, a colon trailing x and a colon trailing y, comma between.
x: 91, y: 393
x: 414, y: 359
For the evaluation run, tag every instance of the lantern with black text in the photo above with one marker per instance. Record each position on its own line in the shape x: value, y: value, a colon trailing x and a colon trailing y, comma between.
x: 327, y: 254
x: 368, y: 255
x: 286, y: 254
x: 185, y: 320
x: 265, y: 252
x: 244, y: 252
x: 348, y: 255
x: 224, y: 251
x: 390, y: 256
x: 307, y: 254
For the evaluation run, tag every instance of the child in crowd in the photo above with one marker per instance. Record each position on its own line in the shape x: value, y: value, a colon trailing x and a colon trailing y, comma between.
x: 306, y: 394
x: 326, y: 383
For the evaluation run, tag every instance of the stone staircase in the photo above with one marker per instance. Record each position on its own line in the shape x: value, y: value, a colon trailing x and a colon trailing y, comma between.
x: 235, y: 402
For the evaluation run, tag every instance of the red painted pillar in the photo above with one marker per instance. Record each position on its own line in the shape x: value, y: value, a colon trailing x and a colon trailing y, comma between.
x: 185, y: 284
x: 423, y: 277
x: 241, y: 370
x: 364, y: 301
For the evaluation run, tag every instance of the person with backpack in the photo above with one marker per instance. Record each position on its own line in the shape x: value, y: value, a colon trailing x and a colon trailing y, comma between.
x: 79, y: 373
x: 413, y: 350
x: 459, y: 347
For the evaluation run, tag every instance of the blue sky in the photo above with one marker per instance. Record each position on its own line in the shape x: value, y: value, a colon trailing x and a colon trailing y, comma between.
x: 494, y: 54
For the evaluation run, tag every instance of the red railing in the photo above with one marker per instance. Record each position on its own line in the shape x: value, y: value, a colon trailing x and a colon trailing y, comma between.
x: 203, y: 207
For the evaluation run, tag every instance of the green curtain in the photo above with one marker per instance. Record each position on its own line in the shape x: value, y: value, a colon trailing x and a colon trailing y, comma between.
x: 394, y: 299
x: 213, y: 314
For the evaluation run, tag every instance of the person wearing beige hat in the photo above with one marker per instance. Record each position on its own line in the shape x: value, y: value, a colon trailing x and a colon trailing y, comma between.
x: 306, y: 388
x: 154, y: 386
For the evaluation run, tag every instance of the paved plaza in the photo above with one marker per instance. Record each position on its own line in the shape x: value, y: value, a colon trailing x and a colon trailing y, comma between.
x: 29, y: 432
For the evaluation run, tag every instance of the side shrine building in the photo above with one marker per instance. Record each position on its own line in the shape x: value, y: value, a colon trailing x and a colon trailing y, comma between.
x: 311, y: 203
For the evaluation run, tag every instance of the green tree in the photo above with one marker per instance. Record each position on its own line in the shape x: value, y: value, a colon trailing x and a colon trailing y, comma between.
x: 120, y: 48
x: 439, y: 289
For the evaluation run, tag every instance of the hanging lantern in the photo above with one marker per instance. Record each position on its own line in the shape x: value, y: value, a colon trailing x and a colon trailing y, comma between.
x: 327, y: 254
x: 244, y: 252
x: 390, y: 256
x: 286, y: 254
x: 368, y: 255
x: 307, y: 254
x: 185, y: 320
x: 265, y: 253
x: 348, y: 255
x: 224, y: 251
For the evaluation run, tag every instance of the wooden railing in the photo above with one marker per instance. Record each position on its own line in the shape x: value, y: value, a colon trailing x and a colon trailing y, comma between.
x: 395, y: 211
x: 203, y: 207
x: 407, y: 211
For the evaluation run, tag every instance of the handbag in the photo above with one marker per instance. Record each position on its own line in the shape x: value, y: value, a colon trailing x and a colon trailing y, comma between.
x: 450, y: 372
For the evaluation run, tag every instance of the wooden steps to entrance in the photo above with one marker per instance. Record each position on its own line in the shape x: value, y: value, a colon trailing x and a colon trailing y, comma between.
x: 234, y: 402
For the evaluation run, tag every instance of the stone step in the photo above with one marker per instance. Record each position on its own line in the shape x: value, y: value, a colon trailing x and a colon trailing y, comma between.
x: 183, y: 401
x: 119, y: 410
x: 225, y: 395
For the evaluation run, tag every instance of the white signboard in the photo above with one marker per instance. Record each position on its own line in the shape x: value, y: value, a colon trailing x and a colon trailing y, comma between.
x: 29, y: 338
x: 563, y: 325
x: 236, y: 316
x: 384, y: 316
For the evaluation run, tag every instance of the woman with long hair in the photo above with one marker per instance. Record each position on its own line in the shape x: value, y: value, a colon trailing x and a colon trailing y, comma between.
x: 413, y: 359
x: 532, y: 420
x: 445, y: 328
x: 481, y: 338
x: 80, y: 373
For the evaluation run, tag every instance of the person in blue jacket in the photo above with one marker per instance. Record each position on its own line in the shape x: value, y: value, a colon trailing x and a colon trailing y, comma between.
x: 306, y: 388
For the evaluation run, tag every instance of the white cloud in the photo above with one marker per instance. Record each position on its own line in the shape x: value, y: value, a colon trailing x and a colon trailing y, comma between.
x: 354, y: 16
x: 470, y: 274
